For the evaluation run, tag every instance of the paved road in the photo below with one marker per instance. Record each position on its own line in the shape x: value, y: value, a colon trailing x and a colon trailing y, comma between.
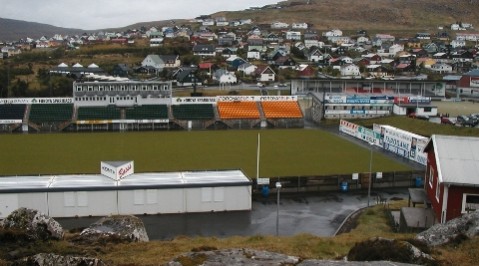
x: 319, y: 214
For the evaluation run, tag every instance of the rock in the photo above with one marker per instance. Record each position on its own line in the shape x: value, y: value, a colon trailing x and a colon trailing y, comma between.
x: 351, y: 263
x: 233, y: 257
x: 37, y: 225
x: 45, y: 259
x: 466, y: 226
x: 382, y: 249
x: 115, y: 228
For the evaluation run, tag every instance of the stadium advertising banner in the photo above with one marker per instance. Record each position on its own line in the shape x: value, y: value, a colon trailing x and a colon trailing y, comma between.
x: 359, y: 132
x: 229, y: 98
x: 10, y: 121
x: 358, y: 99
x: 36, y: 101
x: 117, y: 170
x: 193, y: 100
x: 404, y: 143
x: 412, y: 100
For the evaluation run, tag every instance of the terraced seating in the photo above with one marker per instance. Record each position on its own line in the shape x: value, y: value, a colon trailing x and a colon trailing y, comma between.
x: 282, y: 109
x: 193, y: 111
x: 41, y: 113
x: 147, y: 112
x: 238, y: 110
x: 98, y: 113
x: 12, y: 111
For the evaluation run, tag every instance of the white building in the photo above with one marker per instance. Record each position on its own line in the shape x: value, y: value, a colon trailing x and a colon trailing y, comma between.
x: 299, y: 26
x: 143, y: 193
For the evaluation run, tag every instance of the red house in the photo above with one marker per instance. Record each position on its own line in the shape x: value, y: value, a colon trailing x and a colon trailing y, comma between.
x: 452, y: 175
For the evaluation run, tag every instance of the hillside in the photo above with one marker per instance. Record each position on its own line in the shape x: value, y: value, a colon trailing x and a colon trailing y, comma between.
x: 11, y: 30
x: 367, y: 14
x: 373, y: 15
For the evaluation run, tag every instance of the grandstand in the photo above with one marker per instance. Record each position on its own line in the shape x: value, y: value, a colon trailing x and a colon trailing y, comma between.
x: 93, y: 114
x: 11, y: 116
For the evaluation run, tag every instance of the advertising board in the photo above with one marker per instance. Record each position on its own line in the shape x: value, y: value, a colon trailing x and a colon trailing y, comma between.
x: 117, y: 170
x: 404, y: 143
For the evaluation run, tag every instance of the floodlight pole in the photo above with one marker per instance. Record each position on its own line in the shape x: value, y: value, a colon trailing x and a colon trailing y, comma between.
x: 370, y: 170
x: 278, y: 190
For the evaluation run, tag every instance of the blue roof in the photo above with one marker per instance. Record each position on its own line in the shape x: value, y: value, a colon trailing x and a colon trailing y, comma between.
x: 474, y: 73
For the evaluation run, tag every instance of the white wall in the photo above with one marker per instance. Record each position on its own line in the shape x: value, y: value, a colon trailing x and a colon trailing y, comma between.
x: 82, y: 203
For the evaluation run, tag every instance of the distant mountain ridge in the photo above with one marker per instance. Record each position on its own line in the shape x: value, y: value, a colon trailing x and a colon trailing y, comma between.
x: 387, y: 15
x: 13, y: 30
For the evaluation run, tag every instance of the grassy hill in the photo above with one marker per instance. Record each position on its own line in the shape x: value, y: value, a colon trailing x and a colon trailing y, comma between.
x: 373, y: 15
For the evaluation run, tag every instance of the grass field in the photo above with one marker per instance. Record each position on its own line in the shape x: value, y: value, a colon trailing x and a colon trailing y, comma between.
x: 292, y: 152
x: 457, y: 108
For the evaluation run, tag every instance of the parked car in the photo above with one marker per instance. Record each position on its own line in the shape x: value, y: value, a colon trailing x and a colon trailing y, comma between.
x: 465, y: 121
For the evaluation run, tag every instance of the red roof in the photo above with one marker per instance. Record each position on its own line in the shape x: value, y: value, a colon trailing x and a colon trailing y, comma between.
x: 205, y: 65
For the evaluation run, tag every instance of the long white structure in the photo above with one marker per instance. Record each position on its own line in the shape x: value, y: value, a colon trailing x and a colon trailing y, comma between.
x: 138, y: 193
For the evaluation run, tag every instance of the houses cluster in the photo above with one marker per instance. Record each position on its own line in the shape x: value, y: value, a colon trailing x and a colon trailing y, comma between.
x: 260, y: 52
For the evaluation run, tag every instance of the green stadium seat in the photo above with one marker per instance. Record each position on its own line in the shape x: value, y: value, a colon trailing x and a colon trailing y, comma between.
x: 41, y: 113
x: 147, y: 112
x: 12, y: 111
x: 193, y: 111
x: 99, y: 113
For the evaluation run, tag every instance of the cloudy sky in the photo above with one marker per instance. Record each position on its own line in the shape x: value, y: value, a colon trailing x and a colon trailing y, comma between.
x: 100, y: 14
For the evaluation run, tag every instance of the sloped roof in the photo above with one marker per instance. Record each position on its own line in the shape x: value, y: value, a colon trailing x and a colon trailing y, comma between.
x: 457, y: 159
x: 472, y: 73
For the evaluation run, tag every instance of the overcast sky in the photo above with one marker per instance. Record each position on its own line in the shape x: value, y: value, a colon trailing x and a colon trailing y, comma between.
x: 100, y: 14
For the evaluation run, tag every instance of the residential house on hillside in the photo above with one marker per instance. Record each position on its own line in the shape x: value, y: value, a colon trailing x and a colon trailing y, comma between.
x: 160, y: 62
x: 222, y: 76
x: 120, y: 70
x: 234, y: 62
x: 452, y: 170
x: 254, y: 40
x: 204, y: 50
x: 299, y: 26
x: 293, y: 35
x: 469, y: 83
x: 247, y: 68
x: 350, y: 70
x: 441, y: 68
x: 265, y: 74
x: 279, y: 25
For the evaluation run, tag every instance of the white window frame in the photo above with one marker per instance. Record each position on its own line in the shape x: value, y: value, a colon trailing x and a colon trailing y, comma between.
x: 464, y: 197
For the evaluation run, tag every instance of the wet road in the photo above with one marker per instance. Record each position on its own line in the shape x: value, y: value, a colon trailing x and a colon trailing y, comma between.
x: 320, y: 214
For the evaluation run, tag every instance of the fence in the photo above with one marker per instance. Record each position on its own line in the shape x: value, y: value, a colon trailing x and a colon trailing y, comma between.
x: 302, y: 184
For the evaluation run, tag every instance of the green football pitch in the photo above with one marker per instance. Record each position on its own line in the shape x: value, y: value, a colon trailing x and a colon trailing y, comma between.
x: 288, y: 152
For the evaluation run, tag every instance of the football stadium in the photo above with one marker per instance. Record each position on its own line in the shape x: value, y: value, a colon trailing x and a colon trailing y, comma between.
x: 62, y: 141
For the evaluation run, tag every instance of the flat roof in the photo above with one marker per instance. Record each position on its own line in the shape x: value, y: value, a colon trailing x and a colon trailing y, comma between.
x: 98, y: 182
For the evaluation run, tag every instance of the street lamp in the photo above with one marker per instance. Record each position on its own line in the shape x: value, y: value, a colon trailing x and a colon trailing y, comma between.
x: 278, y: 190
x: 370, y: 170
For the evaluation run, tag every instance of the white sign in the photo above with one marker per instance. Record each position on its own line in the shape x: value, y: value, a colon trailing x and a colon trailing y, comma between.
x: 262, y: 181
x: 379, y: 175
x: 355, y: 176
x: 117, y: 170
x: 404, y: 143
x: 36, y: 101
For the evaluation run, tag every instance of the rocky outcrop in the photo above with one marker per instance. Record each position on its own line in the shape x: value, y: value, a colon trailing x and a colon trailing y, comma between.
x: 44, y: 259
x: 466, y: 226
x: 233, y: 257
x: 244, y: 257
x: 115, y: 229
x: 37, y: 225
x: 379, y: 249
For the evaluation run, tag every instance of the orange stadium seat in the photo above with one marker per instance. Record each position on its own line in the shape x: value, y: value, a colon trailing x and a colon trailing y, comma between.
x: 282, y: 109
x: 238, y: 110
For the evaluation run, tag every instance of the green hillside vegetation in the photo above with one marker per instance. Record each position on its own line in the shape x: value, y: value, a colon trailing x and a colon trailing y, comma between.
x: 372, y: 15
x: 283, y: 152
